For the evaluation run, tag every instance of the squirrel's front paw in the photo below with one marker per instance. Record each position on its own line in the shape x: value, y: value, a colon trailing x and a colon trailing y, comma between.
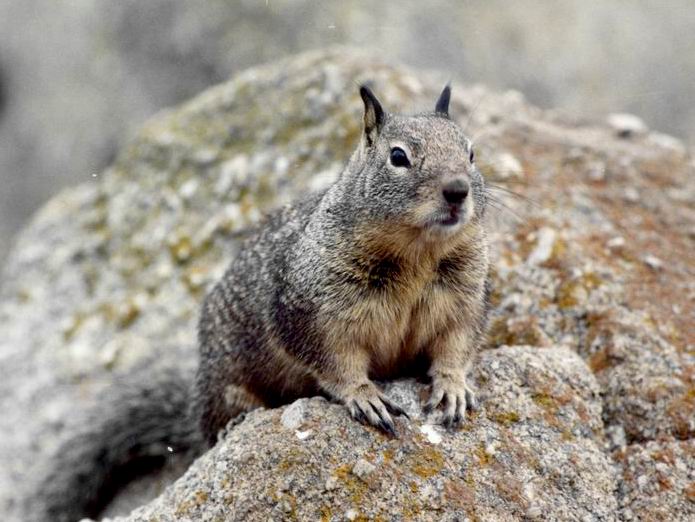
x: 368, y: 405
x: 454, y: 395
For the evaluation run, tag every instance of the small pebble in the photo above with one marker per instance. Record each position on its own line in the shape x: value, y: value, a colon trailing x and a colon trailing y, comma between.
x: 303, y: 435
x: 433, y: 436
x: 331, y: 484
x: 362, y: 469
x: 653, y: 262
x: 544, y: 246
x: 631, y: 195
x: 616, y: 242
x: 188, y: 189
x: 507, y: 166
x: 597, y: 171
x: 294, y: 415
x: 626, y: 125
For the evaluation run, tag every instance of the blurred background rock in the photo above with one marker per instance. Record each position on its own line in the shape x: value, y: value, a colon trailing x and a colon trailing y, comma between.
x: 77, y: 76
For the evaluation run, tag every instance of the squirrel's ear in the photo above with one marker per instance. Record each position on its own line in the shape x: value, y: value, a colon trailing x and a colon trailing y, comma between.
x: 373, y: 114
x: 442, y: 106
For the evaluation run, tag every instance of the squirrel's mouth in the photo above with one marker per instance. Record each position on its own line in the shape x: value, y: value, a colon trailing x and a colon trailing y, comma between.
x: 450, y: 218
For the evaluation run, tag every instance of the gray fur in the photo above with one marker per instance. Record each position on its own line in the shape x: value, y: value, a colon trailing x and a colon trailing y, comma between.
x: 373, y: 278
x: 137, y: 425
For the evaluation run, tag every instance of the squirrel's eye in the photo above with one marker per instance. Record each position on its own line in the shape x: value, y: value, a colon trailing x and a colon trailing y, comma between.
x: 471, y: 156
x: 399, y: 158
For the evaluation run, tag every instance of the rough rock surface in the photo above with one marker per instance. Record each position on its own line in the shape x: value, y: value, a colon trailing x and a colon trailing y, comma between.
x: 592, y: 257
x: 658, y: 480
x: 518, y: 457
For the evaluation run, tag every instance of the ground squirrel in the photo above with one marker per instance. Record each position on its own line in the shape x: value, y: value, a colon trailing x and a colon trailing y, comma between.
x: 383, y: 274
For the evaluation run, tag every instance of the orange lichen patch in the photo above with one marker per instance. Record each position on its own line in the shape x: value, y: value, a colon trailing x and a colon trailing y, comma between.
x: 663, y: 234
x: 599, y: 361
x: 426, y: 463
x: 545, y: 401
x: 583, y: 412
x: 574, y: 291
x: 601, y: 325
x: 484, y: 458
x: 505, y: 418
x: 185, y: 507
x: 355, y: 487
x: 517, y: 331
x: 459, y: 494
x: 664, y: 455
x: 558, y: 254
x: 550, y: 402
x: 525, y: 234
x: 689, y: 492
x: 681, y: 410
x: 510, y: 488
x: 664, y: 482
x: 325, y: 513
x: 660, y: 228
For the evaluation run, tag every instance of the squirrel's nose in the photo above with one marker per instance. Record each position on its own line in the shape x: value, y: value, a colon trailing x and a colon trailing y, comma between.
x: 455, y: 191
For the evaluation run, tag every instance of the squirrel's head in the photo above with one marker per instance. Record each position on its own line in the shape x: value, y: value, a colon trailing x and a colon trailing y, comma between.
x: 418, y: 170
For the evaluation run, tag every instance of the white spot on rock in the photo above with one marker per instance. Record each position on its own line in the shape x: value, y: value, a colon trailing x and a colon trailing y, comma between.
x: 491, y: 448
x: 433, y: 436
x: 544, y: 246
x: 232, y: 173
x: 362, y: 469
x: 507, y: 166
x: 653, y: 262
x: 626, y: 125
x: 302, y: 435
x: 616, y: 242
x: 631, y: 195
x: 331, y: 484
x: 281, y: 165
x: 188, y: 189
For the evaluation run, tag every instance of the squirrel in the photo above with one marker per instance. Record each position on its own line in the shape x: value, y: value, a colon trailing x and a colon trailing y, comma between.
x: 383, y: 274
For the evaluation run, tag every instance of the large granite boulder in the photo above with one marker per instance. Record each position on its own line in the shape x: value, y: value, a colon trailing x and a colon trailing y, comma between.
x: 588, y: 399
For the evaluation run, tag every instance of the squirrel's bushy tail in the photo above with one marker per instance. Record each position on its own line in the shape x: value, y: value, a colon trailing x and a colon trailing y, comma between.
x: 135, y: 427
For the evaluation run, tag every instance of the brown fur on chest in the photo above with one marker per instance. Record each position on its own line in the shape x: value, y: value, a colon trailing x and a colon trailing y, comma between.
x: 396, y: 306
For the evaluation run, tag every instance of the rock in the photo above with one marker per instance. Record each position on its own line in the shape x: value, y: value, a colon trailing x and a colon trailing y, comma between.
x: 616, y: 242
x: 294, y: 415
x: 540, y: 410
x: 658, y: 481
x: 588, y: 360
x: 507, y: 167
x: 653, y: 262
x: 362, y: 469
x: 626, y: 125
x: 544, y: 246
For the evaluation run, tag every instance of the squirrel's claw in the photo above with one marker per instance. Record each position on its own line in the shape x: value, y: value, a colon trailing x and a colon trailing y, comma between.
x: 368, y: 406
x: 454, y: 399
x: 394, y: 408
